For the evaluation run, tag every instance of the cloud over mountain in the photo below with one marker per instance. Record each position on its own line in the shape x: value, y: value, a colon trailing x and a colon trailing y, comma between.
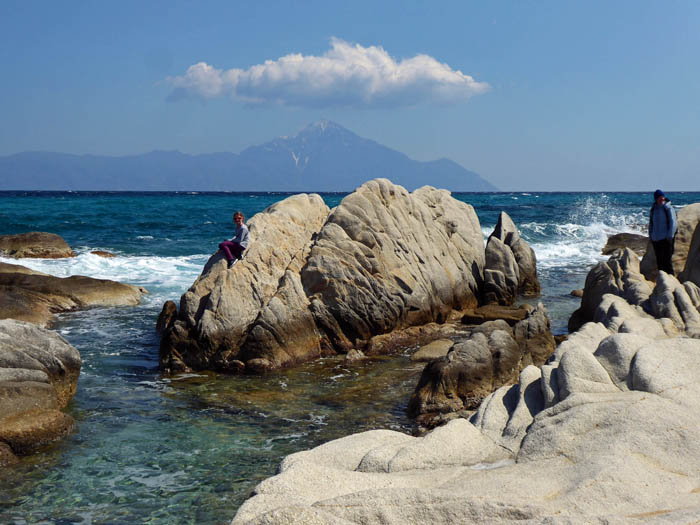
x: 347, y: 75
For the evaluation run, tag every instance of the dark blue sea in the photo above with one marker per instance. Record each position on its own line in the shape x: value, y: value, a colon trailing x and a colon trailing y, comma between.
x: 150, y: 449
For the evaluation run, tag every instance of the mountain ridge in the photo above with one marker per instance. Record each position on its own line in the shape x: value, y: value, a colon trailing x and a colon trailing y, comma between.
x: 323, y: 156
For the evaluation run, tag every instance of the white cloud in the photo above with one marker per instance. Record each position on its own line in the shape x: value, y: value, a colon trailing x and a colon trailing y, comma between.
x: 346, y: 75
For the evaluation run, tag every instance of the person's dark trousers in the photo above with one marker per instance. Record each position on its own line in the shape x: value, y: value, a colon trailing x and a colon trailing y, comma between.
x: 232, y: 250
x: 663, y: 250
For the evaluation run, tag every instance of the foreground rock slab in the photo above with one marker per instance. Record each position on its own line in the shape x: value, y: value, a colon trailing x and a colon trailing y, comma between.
x: 317, y: 282
x: 35, y: 244
x: 608, y: 431
x: 38, y: 377
x: 35, y: 297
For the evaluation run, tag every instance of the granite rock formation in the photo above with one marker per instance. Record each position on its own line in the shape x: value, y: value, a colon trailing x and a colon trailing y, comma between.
x: 317, y: 282
x: 492, y: 356
x: 38, y: 378
x: 511, y: 265
x: 608, y: 431
x: 673, y: 301
x: 35, y: 244
x: 619, y: 275
x: 35, y: 297
x: 634, y: 241
x: 691, y: 270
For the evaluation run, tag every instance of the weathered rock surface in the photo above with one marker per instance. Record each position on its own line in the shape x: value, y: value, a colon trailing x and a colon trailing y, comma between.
x: 35, y: 244
x: 608, y: 431
x: 492, y: 312
x: 619, y: 275
x: 38, y: 377
x: 674, y: 302
x: 315, y: 282
x: 688, y: 219
x: 493, y: 355
x: 634, y: 241
x: 511, y: 266
x: 433, y: 350
x: 35, y: 297
x: 691, y: 270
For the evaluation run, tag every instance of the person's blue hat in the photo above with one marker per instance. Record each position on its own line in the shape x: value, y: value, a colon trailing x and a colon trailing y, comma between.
x: 659, y: 193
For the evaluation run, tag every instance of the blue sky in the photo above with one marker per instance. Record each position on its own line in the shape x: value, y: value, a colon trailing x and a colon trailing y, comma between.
x: 531, y: 95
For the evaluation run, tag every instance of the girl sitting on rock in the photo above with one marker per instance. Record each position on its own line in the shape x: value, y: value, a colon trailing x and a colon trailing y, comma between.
x: 234, y: 248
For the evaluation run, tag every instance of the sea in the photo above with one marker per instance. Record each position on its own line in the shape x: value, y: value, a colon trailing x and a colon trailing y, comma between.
x: 148, y: 448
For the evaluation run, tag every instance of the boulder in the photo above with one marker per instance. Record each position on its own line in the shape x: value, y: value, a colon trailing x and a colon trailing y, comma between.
x: 35, y: 297
x: 688, y: 219
x: 619, y: 275
x: 501, y: 274
x: 316, y: 282
x: 511, y: 265
x: 691, y: 270
x: 38, y: 377
x: 607, y: 432
x: 35, y: 244
x: 494, y: 355
x: 634, y: 241
x: 257, y: 308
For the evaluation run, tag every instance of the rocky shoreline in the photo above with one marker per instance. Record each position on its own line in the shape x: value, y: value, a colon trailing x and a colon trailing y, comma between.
x: 39, y: 370
x: 605, y: 431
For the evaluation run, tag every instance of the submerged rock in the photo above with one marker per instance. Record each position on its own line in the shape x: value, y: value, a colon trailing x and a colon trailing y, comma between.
x: 35, y: 297
x: 38, y: 377
x: 317, y: 282
x: 102, y: 253
x: 607, y: 431
x: 35, y: 244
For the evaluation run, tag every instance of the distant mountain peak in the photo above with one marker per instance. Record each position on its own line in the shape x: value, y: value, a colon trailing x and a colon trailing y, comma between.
x: 323, y: 156
x: 321, y: 127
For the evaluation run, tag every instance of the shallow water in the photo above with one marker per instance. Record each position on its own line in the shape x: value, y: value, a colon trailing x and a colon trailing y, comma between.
x: 155, y: 450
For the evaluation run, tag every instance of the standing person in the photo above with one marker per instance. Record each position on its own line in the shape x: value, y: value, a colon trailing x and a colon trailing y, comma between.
x: 234, y: 248
x: 662, y: 229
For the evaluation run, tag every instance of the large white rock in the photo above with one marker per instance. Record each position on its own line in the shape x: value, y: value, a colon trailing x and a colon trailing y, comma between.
x: 316, y: 281
x: 608, y: 432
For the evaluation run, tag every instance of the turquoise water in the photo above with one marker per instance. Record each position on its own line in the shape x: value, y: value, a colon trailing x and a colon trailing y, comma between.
x: 149, y: 449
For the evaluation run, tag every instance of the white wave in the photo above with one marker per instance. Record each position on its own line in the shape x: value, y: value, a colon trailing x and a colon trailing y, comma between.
x: 163, y: 277
x: 145, y: 237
